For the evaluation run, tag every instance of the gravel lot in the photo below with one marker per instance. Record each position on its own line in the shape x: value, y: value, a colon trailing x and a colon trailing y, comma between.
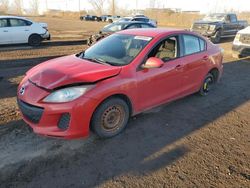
x: 193, y: 142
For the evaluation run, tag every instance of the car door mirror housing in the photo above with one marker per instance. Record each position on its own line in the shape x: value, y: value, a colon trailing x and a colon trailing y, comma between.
x: 153, y: 62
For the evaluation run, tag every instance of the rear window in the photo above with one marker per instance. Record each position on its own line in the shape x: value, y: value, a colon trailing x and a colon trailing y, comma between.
x: 202, y: 44
x: 19, y: 23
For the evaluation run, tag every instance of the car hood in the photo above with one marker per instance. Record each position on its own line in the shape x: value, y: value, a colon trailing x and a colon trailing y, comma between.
x: 206, y: 22
x: 245, y: 31
x: 69, y: 70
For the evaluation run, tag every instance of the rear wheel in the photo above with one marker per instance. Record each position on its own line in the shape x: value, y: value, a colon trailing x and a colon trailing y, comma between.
x: 35, y: 40
x: 207, y: 84
x: 110, y: 118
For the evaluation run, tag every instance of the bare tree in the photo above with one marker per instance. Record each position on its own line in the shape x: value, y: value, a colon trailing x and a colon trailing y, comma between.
x: 4, y: 5
x: 17, y: 4
x: 98, y: 5
x: 34, y: 7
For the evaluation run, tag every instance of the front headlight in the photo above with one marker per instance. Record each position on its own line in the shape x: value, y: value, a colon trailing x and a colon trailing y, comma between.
x: 212, y: 27
x: 67, y: 94
x: 237, y: 37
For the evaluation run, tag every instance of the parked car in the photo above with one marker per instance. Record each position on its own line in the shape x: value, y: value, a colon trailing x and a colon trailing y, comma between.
x: 124, y: 74
x: 17, y: 30
x: 217, y: 26
x: 241, y: 44
x: 139, y: 19
x: 112, y: 19
x: 140, y: 15
x: 114, y: 27
x: 98, y: 18
x: 104, y: 17
x: 88, y: 18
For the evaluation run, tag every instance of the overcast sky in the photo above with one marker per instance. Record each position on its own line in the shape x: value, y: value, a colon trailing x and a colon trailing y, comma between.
x: 200, y: 5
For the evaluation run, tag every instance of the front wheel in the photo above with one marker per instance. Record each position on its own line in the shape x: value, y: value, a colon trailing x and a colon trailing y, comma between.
x: 217, y: 37
x: 35, y: 40
x: 207, y: 85
x: 110, y: 118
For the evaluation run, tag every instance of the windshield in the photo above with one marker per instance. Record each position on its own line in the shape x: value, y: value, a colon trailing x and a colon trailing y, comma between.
x: 214, y: 17
x: 114, y: 27
x: 116, y: 50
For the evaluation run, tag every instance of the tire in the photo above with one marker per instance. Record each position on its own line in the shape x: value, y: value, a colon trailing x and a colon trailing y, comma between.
x: 207, y: 85
x: 217, y: 37
x: 110, y: 21
x: 110, y: 118
x: 35, y: 40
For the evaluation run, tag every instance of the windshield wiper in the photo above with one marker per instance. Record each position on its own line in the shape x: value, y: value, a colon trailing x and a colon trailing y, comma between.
x: 98, y: 60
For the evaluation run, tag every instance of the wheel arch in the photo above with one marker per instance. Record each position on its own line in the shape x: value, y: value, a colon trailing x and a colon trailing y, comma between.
x: 34, y: 34
x: 122, y: 96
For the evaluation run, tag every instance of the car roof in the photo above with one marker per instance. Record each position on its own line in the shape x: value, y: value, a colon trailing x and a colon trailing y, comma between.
x: 151, y: 32
x: 18, y: 17
x: 131, y: 22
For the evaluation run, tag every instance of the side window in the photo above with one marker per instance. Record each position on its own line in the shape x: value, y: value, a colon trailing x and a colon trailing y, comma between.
x: 141, y: 19
x: 192, y: 44
x: 134, y: 26
x: 146, y: 26
x: 17, y: 23
x: 166, y: 50
x: 3, y: 23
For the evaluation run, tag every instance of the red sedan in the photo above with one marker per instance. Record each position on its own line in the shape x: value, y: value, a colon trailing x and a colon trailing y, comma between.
x: 120, y: 76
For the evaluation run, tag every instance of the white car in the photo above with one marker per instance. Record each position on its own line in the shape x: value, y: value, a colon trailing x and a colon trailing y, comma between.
x: 16, y: 30
x: 241, y: 44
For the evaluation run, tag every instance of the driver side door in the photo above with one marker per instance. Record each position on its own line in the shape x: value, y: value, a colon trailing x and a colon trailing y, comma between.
x: 158, y: 85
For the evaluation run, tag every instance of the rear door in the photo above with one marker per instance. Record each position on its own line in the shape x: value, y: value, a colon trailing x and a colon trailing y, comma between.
x: 194, y: 61
x: 5, y: 36
x: 20, y: 30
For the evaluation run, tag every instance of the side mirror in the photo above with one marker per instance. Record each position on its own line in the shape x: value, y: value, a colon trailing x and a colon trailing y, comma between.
x: 153, y: 62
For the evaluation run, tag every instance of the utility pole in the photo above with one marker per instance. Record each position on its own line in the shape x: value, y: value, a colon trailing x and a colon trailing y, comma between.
x: 79, y: 6
x: 46, y: 4
x: 113, y: 7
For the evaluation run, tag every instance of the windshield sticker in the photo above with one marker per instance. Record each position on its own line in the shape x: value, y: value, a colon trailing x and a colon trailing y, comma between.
x: 143, y: 38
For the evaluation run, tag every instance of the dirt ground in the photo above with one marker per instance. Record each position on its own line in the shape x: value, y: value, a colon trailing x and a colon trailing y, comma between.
x: 193, y: 142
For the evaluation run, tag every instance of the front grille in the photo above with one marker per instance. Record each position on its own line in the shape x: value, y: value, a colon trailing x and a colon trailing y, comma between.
x: 200, y: 27
x: 245, y: 38
x: 64, y: 121
x: 32, y: 113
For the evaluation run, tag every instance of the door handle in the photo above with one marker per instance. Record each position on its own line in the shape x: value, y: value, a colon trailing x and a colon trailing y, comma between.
x: 205, y: 58
x: 178, y: 67
x: 5, y: 31
x: 26, y: 30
